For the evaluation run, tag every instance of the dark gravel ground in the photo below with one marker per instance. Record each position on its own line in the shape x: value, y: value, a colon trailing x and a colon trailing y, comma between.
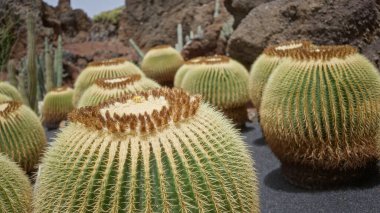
x: 277, y: 195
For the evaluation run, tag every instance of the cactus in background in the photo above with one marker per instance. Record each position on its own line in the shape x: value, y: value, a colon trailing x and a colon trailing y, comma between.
x: 158, y: 151
x: 112, y: 68
x: 107, y: 88
x: 15, y: 188
x: 31, y: 62
x: 221, y: 81
x: 57, y: 104
x: 179, y: 45
x: 10, y: 91
x: 264, y: 65
x: 22, y: 82
x: 217, y: 8
x: 140, y: 53
x: 12, y: 73
x: 58, y: 67
x: 49, y: 70
x: 320, y: 115
x: 41, y: 79
x: 4, y: 98
x: 161, y: 63
x: 23, y: 139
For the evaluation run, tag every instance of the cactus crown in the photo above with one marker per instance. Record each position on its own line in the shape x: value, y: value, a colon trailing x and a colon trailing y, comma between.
x: 210, y: 60
x: 323, y: 53
x: 8, y: 107
x: 108, y: 62
x: 121, y: 82
x: 139, y: 113
x: 164, y: 46
x: 285, y: 48
x: 61, y: 89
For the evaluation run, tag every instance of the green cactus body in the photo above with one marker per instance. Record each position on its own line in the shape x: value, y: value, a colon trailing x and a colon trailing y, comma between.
x: 183, y: 69
x: 107, y: 88
x: 10, y: 91
x: 320, y: 115
x: 31, y: 63
x: 4, y: 98
x: 158, y: 151
x: 15, y: 188
x: 12, y: 73
x: 264, y: 65
x: 49, y: 70
x: 58, y: 66
x: 112, y: 68
x: 221, y: 81
x: 161, y: 64
x: 22, y: 137
x: 57, y: 104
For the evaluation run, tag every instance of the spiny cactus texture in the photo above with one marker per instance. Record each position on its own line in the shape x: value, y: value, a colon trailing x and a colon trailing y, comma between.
x: 4, y: 98
x: 221, y: 81
x: 10, y: 91
x: 264, y: 65
x: 57, y: 104
x: 320, y: 115
x: 112, y: 68
x: 161, y: 63
x: 22, y: 137
x: 107, y: 88
x: 183, y: 69
x: 158, y: 151
x: 31, y: 62
x: 15, y: 188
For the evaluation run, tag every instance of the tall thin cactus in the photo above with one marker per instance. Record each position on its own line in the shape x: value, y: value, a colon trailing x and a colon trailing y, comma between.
x: 137, y: 48
x: 179, y: 45
x: 31, y: 61
x: 49, y: 70
x: 12, y: 73
x: 58, y: 62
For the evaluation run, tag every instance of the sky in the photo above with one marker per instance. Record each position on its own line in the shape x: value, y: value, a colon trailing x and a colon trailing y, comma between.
x: 91, y: 7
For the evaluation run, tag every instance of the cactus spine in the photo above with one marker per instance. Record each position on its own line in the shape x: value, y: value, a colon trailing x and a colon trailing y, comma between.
x: 58, y: 62
x: 22, y: 136
x: 31, y: 62
x: 320, y: 115
x: 158, y: 151
x: 15, y: 188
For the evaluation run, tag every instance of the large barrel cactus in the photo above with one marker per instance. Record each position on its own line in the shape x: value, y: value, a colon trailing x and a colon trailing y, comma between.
x: 264, y: 65
x: 320, y: 115
x: 4, y: 98
x: 106, y: 88
x: 22, y: 137
x: 57, y: 104
x: 221, y: 81
x: 158, y: 151
x: 15, y: 188
x: 10, y: 91
x: 161, y: 64
x: 111, y: 68
x: 183, y: 70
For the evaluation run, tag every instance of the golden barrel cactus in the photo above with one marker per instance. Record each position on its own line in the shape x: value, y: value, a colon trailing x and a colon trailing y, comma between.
x: 161, y: 64
x: 221, y: 81
x: 320, y: 115
x: 56, y: 105
x: 107, y: 88
x: 8, y: 90
x: 264, y: 65
x: 158, y: 151
x: 183, y: 69
x: 15, y: 188
x: 111, y: 68
x: 22, y: 137
x: 4, y: 98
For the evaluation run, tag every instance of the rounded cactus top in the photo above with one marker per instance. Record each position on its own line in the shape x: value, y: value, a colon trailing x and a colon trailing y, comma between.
x: 120, y: 82
x: 8, y: 107
x: 161, y: 63
x: 10, y: 91
x: 4, y: 98
x: 61, y: 89
x: 284, y: 48
x: 141, y: 113
x: 221, y: 81
x: 323, y: 53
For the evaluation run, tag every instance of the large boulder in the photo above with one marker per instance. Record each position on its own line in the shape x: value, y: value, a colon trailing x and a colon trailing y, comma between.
x: 322, y: 21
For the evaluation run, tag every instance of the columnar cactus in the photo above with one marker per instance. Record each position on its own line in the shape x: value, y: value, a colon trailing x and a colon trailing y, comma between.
x: 15, y: 188
x: 161, y: 63
x: 57, y: 104
x: 264, y: 65
x: 158, y: 151
x: 10, y: 91
x: 320, y: 115
x: 221, y: 81
x: 107, y: 88
x: 112, y: 68
x: 21, y: 133
x: 31, y: 63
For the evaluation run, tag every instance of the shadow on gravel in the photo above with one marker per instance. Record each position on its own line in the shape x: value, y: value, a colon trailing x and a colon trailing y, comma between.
x: 260, y: 142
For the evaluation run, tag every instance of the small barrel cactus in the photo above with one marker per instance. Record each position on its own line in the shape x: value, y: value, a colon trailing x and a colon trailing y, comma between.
x: 57, y: 104
x: 183, y: 69
x: 15, y: 188
x: 112, y: 68
x: 22, y: 137
x: 264, y: 65
x: 159, y: 151
x: 221, y: 81
x: 161, y: 64
x: 10, y: 91
x: 107, y: 88
x: 4, y: 98
x: 320, y: 115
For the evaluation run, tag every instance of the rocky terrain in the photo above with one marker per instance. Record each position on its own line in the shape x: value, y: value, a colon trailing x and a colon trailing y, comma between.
x: 256, y: 24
